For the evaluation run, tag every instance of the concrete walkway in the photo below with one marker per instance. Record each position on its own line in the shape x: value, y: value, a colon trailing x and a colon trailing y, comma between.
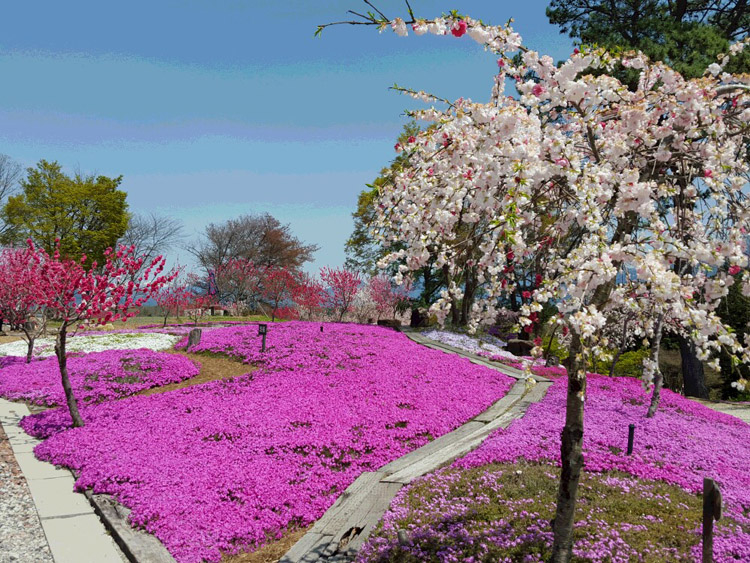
x: 343, y: 529
x: 74, y: 533
x: 739, y: 410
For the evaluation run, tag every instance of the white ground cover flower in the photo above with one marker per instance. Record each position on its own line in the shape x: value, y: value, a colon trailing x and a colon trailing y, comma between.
x: 466, y: 342
x: 94, y: 343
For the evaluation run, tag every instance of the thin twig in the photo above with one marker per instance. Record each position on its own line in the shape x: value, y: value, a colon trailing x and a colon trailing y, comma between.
x: 382, y: 15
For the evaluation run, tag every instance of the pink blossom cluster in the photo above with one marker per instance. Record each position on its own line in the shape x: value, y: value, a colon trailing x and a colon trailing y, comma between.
x: 230, y: 464
x: 95, y: 377
x: 682, y: 444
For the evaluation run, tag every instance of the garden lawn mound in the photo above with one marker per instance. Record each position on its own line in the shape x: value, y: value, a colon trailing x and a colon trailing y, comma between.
x: 212, y: 368
x: 230, y: 465
x: 95, y: 377
x: 681, y: 445
x: 502, y: 512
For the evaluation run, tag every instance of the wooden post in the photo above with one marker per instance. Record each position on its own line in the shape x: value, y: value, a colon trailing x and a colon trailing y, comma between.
x: 631, y: 436
x: 194, y: 337
x: 711, y: 512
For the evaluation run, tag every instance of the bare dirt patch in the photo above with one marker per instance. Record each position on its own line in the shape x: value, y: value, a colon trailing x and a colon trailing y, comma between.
x: 9, y: 338
x: 269, y: 553
x: 212, y: 369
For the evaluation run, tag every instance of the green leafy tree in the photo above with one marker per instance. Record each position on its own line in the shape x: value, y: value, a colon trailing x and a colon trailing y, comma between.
x: 87, y: 213
x: 10, y: 174
x: 686, y: 34
x: 362, y: 251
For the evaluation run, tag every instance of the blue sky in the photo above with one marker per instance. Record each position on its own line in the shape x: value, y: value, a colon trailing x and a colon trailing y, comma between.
x: 215, y: 108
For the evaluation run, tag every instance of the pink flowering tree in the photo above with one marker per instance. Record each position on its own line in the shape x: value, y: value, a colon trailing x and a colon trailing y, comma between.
x: 642, y: 194
x: 341, y: 287
x: 279, y: 285
x: 308, y: 296
x: 100, y: 294
x: 20, y: 303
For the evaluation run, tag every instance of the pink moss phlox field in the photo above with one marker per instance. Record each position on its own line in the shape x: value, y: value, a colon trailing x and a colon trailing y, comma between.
x: 229, y: 464
x: 682, y: 444
x: 95, y: 377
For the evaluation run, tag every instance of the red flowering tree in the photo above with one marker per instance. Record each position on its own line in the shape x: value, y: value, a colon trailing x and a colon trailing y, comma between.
x: 278, y: 287
x: 340, y: 289
x: 198, y: 305
x: 197, y: 301
x: 386, y: 296
x: 20, y: 305
x: 240, y: 281
x: 308, y: 296
x: 172, y: 299
x: 98, y: 295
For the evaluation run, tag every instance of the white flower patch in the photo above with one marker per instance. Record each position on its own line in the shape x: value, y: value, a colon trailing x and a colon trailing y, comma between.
x: 467, y: 343
x: 94, y: 343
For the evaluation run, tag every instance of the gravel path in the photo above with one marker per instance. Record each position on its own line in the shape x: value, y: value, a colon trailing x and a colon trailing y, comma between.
x: 22, y: 539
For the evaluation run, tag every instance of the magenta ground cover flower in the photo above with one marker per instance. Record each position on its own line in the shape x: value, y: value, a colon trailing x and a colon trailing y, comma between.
x: 230, y: 464
x: 95, y: 377
x: 682, y: 444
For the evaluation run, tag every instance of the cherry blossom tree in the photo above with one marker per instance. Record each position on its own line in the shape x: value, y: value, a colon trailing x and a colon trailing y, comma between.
x: 363, y: 305
x: 74, y: 294
x: 341, y: 288
x: 639, y: 194
x: 20, y: 302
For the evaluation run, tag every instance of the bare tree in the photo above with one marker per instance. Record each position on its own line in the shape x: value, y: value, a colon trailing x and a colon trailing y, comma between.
x: 152, y: 235
x: 10, y: 175
x: 261, y: 239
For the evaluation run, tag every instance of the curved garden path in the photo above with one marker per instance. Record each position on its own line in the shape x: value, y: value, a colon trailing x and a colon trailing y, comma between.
x: 342, y: 530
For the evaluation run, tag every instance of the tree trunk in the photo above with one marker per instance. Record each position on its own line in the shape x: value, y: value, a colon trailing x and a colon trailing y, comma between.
x: 623, y: 342
x: 165, y: 321
x: 470, y: 289
x: 693, y: 377
x: 455, y: 313
x: 29, y: 330
x: 571, y: 453
x: 62, y: 362
x: 658, y: 377
x: 30, y: 351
